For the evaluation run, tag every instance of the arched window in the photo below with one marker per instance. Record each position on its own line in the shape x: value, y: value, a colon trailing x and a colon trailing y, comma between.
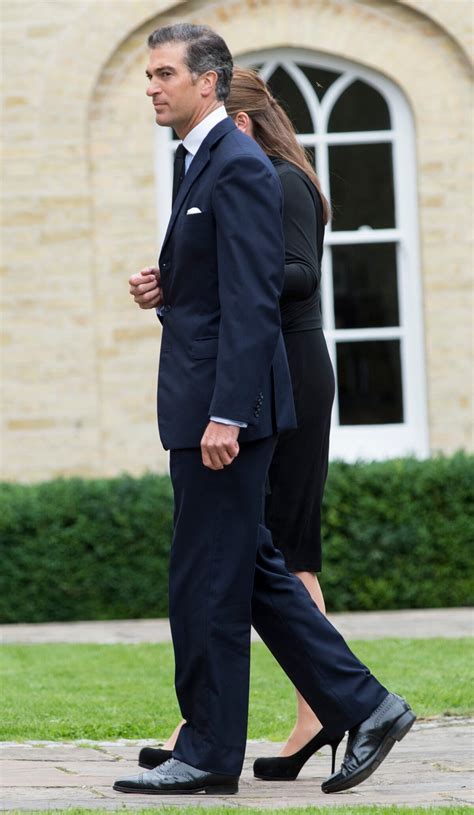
x: 358, y: 129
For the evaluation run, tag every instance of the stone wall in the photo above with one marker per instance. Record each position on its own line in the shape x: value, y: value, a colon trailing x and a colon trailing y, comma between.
x: 79, y: 361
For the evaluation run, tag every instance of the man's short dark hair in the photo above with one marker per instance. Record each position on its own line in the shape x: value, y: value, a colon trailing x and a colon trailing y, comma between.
x: 206, y: 51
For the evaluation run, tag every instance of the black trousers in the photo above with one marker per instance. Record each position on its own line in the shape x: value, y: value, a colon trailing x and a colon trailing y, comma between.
x: 225, y: 574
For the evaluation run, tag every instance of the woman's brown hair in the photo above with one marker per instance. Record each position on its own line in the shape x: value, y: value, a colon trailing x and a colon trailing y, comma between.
x: 272, y: 128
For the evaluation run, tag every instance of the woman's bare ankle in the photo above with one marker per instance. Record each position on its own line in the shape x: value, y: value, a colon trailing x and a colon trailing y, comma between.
x: 299, y: 737
x: 170, y: 743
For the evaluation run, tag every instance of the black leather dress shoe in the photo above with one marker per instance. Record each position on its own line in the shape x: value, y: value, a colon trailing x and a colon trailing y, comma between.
x: 151, y: 757
x: 370, y: 742
x: 177, y: 778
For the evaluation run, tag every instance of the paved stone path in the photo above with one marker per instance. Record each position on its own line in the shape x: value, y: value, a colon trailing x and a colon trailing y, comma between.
x: 429, y: 767
x: 355, y: 625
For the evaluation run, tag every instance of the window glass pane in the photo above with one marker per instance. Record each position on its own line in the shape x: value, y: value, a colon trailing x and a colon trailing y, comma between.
x: 369, y: 382
x: 361, y: 177
x: 291, y: 99
x: 365, y: 285
x: 360, y: 107
x: 320, y: 78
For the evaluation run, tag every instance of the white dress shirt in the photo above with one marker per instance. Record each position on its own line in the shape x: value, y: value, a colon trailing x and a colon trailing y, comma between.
x: 196, y: 136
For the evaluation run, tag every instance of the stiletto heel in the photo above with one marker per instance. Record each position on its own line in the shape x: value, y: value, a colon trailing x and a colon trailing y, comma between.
x: 334, y: 745
x: 286, y: 768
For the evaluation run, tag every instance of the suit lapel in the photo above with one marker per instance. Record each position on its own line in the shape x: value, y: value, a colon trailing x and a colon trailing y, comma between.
x: 199, y: 162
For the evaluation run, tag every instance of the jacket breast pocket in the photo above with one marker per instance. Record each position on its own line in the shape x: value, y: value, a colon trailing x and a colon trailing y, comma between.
x: 205, y: 348
x: 195, y: 217
x: 196, y: 238
x: 198, y: 220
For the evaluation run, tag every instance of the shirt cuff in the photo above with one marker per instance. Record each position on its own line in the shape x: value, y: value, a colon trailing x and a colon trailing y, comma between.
x: 232, y: 422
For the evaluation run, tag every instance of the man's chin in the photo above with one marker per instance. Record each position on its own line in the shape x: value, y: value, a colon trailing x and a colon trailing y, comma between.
x: 161, y: 118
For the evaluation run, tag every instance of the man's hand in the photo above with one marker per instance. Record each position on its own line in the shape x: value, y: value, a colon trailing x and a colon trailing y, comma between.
x: 219, y: 445
x: 145, y: 288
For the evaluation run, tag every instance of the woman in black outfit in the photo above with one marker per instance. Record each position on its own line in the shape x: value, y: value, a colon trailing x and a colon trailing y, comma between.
x: 299, y: 467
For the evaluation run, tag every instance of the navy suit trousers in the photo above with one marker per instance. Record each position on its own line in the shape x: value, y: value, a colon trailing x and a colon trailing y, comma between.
x: 225, y: 574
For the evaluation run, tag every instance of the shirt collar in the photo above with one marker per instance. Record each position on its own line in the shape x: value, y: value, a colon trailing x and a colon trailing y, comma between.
x: 196, y: 136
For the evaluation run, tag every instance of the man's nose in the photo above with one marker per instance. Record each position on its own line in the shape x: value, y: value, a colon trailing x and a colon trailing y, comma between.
x: 153, y: 89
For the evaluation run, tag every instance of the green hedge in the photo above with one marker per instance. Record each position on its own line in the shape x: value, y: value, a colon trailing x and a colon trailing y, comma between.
x: 399, y: 534
x: 396, y: 534
x: 85, y: 549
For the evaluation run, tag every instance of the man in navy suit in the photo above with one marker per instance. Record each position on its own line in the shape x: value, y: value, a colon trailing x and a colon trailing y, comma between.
x: 224, y: 393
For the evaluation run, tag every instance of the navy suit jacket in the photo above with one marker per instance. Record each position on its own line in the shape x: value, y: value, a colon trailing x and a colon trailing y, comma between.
x: 222, y: 351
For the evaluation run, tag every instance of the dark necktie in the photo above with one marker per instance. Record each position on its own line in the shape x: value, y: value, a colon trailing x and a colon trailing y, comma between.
x: 179, y: 169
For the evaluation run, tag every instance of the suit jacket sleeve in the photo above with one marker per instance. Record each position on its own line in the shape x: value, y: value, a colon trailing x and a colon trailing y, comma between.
x: 247, y: 205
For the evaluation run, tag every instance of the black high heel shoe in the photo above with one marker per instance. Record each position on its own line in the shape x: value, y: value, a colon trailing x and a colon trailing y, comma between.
x: 151, y: 757
x: 286, y: 768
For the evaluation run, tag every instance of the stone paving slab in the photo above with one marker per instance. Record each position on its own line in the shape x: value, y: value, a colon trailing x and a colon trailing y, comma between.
x: 363, y: 625
x: 432, y: 766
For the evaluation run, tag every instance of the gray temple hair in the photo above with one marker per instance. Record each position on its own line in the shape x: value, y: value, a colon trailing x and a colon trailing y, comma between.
x: 206, y: 51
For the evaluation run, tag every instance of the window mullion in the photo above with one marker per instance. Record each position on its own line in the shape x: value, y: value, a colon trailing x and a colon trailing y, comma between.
x: 394, y: 332
x: 327, y: 289
x: 268, y: 69
x: 332, y: 95
x: 362, y: 235
x: 308, y: 93
x: 359, y: 137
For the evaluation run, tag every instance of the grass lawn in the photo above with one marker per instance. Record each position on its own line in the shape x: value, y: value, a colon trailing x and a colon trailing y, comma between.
x: 337, y: 810
x: 107, y: 692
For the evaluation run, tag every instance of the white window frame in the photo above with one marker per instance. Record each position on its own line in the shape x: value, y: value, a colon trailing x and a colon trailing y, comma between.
x: 352, y: 442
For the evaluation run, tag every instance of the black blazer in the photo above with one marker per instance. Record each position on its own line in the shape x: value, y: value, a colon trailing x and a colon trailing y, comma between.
x: 222, y: 352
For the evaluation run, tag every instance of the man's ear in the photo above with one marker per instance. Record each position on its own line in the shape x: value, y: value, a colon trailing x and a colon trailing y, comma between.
x: 208, y: 83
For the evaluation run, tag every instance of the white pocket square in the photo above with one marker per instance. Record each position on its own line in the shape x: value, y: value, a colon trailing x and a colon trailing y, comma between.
x: 194, y: 211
